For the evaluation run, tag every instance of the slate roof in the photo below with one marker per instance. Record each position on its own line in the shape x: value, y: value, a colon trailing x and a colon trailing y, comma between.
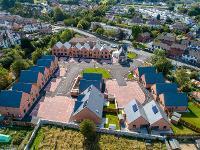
x: 152, y: 78
x: 134, y: 110
x: 166, y: 87
x: 10, y: 98
x: 92, y: 99
x: 143, y: 70
x: 44, y: 62
x: 28, y: 76
x: 84, y: 84
x: 154, y: 112
x: 40, y: 69
x: 51, y: 57
x: 92, y: 76
x: 175, y: 99
x: 24, y: 87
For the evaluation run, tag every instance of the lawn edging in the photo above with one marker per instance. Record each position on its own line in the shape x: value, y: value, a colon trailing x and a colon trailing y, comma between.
x: 42, y: 122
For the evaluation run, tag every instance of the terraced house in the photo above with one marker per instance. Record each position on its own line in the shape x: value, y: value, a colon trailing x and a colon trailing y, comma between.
x: 17, y: 101
x: 82, y: 50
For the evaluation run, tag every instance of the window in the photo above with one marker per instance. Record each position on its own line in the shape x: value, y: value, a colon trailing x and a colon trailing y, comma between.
x: 165, y: 127
x: 29, y: 104
x: 134, y: 126
x: 24, y: 110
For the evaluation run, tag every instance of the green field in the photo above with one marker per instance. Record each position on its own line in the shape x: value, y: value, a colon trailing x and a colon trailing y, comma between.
x: 193, y: 116
x: 66, y: 139
x: 104, y: 72
x: 19, y: 135
x: 132, y: 55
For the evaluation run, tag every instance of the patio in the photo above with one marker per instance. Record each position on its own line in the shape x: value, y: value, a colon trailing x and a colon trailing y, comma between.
x: 124, y: 94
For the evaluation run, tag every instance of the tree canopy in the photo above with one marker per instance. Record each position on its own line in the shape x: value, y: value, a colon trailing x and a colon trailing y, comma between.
x: 88, y: 129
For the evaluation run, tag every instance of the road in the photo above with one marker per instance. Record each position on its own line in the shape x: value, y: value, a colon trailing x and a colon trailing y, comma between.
x: 139, y: 52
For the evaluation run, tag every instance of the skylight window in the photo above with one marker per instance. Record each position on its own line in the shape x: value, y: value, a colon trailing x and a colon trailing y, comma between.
x: 135, y: 108
x: 155, y: 109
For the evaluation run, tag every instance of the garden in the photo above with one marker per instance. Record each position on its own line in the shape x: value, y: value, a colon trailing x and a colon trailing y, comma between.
x: 51, y: 137
x: 105, y: 73
x: 193, y: 116
x: 112, y: 119
x: 19, y: 137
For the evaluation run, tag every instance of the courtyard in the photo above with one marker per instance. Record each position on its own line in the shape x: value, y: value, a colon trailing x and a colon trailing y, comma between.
x: 124, y: 94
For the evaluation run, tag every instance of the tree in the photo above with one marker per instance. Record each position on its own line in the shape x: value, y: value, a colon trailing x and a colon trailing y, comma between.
x: 183, y: 80
x: 136, y: 30
x: 85, y: 24
x: 70, y: 22
x: 88, y: 129
x: 19, y: 65
x: 36, y: 55
x: 27, y: 46
x: 5, y: 78
x: 161, y: 63
x: 59, y: 14
x: 100, y: 31
x: 66, y: 35
x: 169, y: 20
x: 158, y: 17
x: 131, y: 10
x: 7, y: 4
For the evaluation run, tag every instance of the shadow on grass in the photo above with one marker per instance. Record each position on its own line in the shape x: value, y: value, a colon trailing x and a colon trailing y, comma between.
x: 92, y: 145
x: 190, y: 114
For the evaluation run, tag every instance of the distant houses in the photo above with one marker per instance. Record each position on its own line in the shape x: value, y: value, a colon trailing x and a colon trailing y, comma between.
x: 16, y: 102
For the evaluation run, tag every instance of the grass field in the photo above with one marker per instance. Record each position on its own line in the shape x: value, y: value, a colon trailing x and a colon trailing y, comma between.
x: 132, y: 55
x: 19, y: 135
x: 193, y: 116
x: 104, y: 72
x: 60, y: 139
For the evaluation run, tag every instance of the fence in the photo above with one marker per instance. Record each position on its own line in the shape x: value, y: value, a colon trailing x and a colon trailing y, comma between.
x: 16, y: 123
x: 99, y: 130
x: 189, y: 125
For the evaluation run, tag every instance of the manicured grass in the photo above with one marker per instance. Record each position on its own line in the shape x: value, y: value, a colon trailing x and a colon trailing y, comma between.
x: 193, y: 116
x: 132, y: 55
x: 111, y: 106
x: 180, y: 129
x: 19, y: 135
x: 130, y: 76
x: 104, y: 72
x: 58, y: 138
x: 112, y: 119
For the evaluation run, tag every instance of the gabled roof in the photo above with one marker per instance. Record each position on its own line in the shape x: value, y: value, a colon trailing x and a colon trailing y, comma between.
x: 166, y: 87
x: 51, y: 57
x: 143, y: 70
x: 59, y: 44
x: 78, y: 45
x: 92, y: 99
x: 24, y: 87
x: 40, y: 69
x: 152, y: 78
x: 84, y: 84
x: 67, y: 45
x: 44, y: 62
x: 134, y: 110
x: 28, y: 76
x: 92, y: 76
x: 175, y: 99
x: 10, y: 98
x: 153, y: 112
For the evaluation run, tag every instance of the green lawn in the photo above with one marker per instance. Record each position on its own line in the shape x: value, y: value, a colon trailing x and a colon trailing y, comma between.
x: 130, y: 76
x: 112, y: 119
x: 180, y: 129
x: 132, y: 55
x: 104, y: 72
x: 111, y: 106
x: 57, y: 138
x: 19, y: 135
x: 193, y: 116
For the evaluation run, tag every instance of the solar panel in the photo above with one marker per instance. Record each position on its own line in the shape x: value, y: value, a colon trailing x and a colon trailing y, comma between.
x: 155, y: 109
x: 135, y: 108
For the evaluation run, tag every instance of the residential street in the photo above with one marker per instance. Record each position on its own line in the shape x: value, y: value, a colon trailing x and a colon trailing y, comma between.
x: 140, y: 52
